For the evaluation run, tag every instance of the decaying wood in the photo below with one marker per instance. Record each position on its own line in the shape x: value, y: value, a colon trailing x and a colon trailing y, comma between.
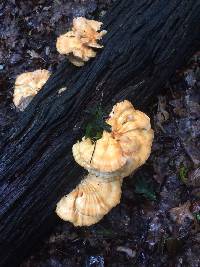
x: 146, y: 42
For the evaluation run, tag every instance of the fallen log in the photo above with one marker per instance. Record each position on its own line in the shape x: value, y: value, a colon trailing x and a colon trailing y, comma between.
x: 146, y: 42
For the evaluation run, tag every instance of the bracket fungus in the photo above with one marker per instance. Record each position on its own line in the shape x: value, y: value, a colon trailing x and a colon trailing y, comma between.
x: 105, y: 155
x: 122, y: 150
x: 78, y: 43
x: 115, y: 155
x: 89, y: 201
x: 27, y: 86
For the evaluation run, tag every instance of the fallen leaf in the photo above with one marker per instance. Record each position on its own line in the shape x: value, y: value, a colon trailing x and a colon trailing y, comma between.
x: 179, y: 214
x: 129, y: 252
x: 33, y: 54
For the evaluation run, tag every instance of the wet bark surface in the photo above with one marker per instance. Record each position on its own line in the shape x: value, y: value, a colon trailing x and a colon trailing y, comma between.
x: 36, y: 162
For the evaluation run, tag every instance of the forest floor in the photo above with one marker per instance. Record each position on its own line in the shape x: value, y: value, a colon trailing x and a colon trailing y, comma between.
x: 158, y: 220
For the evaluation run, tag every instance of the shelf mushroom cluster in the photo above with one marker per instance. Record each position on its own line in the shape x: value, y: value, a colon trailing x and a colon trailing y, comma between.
x: 78, y: 44
x: 116, y: 155
x: 27, y: 85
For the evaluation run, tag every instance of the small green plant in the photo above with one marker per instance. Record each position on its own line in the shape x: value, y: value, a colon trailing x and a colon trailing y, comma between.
x: 197, y: 215
x: 96, y: 124
x: 183, y: 174
x: 145, y: 188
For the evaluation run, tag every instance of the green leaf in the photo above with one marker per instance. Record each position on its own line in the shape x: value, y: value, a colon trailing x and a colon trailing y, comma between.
x: 96, y: 124
x: 145, y: 188
x: 183, y: 174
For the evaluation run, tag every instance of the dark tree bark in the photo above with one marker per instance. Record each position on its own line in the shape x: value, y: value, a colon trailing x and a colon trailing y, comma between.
x: 147, y: 41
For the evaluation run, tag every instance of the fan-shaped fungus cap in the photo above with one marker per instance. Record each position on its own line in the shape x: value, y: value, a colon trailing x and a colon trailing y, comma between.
x: 124, y: 117
x: 88, y: 31
x: 78, y: 43
x: 104, y: 156
x: 132, y: 129
x: 123, y: 150
x: 27, y: 86
x: 89, y: 201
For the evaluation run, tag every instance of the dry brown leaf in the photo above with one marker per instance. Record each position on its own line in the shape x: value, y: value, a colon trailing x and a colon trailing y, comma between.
x: 179, y: 214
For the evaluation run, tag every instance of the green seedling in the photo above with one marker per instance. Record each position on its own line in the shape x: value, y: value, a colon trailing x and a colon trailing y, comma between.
x: 183, y: 174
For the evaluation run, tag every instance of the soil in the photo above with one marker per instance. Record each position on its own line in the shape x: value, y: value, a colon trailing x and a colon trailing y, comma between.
x: 158, y: 220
